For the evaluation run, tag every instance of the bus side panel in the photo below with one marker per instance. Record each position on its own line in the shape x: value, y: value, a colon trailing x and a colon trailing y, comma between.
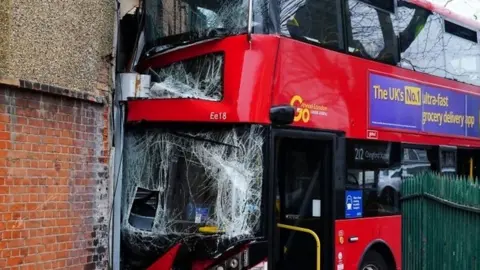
x: 330, y: 91
x: 367, y: 230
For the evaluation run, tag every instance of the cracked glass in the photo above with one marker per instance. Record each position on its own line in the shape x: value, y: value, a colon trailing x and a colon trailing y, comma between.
x: 193, y: 183
x: 198, y: 78
x: 170, y: 23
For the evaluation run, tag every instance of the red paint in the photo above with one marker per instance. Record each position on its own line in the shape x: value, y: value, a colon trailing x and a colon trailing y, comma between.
x: 201, y: 265
x: 306, y: 70
x: 334, y: 84
x: 247, y: 84
x: 165, y: 262
x: 275, y: 71
x: 279, y: 71
x: 386, y: 229
x: 206, y: 264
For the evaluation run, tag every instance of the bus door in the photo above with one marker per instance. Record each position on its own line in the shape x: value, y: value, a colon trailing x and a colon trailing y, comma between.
x: 304, y: 171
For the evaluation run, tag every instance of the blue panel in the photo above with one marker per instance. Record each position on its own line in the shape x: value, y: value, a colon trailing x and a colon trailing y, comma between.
x: 353, y: 203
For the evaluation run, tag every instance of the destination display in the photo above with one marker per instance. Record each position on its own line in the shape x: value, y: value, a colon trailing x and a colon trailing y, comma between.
x: 402, y: 104
x: 369, y: 152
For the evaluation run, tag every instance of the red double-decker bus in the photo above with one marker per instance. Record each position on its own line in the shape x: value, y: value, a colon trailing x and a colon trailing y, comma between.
x: 275, y: 134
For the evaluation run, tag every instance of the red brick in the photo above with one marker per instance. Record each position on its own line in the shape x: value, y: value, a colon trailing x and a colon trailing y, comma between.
x: 32, y: 258
x: 4, y: 135
x: 4, y: 190
x: 5, y: 145
x: 33, y: 139
x: 15, y: 243
x: 47, y: 256
x: 48, y: 166
x: 14, y: 261
x: 5, y: 118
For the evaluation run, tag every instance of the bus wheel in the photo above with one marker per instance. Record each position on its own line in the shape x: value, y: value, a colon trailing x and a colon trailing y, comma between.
x: 373, y: 261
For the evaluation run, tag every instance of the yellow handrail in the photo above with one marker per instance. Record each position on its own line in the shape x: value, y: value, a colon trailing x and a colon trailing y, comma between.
x: 312, y: 233
x: 471, y: 170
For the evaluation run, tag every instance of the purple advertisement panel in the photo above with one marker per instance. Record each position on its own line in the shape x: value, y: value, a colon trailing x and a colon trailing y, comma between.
x: 402, y: 104
x: 473, y: 116
x: 443, y: 111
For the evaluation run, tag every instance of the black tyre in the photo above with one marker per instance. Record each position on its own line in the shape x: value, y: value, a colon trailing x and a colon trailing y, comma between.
x: 374, y: 261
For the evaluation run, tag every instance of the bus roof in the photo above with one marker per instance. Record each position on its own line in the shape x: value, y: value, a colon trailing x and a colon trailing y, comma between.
x: 447, y: 13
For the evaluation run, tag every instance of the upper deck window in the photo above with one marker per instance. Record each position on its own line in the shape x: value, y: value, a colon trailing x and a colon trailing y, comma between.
x: 413, y: 38
x: 173, y: 22
x: 425, y: 52
x: 370, y: 32
x: 462, y: 54
x: 314, y: 21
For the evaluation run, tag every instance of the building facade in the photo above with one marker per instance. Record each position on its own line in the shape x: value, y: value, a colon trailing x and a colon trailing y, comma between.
x: 55, y: 111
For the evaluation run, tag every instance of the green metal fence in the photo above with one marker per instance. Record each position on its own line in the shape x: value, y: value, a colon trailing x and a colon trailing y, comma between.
x: 441, y: 223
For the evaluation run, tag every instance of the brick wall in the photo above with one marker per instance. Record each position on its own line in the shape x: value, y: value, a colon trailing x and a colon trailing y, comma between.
x: 54, y: 202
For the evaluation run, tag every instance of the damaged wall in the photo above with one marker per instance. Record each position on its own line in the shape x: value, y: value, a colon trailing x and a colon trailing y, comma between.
x: 127, y: 6
x: 58, y: 42
x: 55, y: 77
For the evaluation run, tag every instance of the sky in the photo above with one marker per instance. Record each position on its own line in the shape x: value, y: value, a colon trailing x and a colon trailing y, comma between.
x: 467, y: 8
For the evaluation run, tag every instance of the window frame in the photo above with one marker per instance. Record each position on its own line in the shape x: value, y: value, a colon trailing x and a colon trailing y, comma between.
x: 447, y: 148
x: 450, y: 54
x: 394, y: 5
x: 377, y: 169
x: 449, y: 25
x: 427, y: 148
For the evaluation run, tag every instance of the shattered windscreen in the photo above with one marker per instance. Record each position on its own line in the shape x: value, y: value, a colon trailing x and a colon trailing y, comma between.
x: 191, y: 183
x: 175, y: 22
x: 197, y: 78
